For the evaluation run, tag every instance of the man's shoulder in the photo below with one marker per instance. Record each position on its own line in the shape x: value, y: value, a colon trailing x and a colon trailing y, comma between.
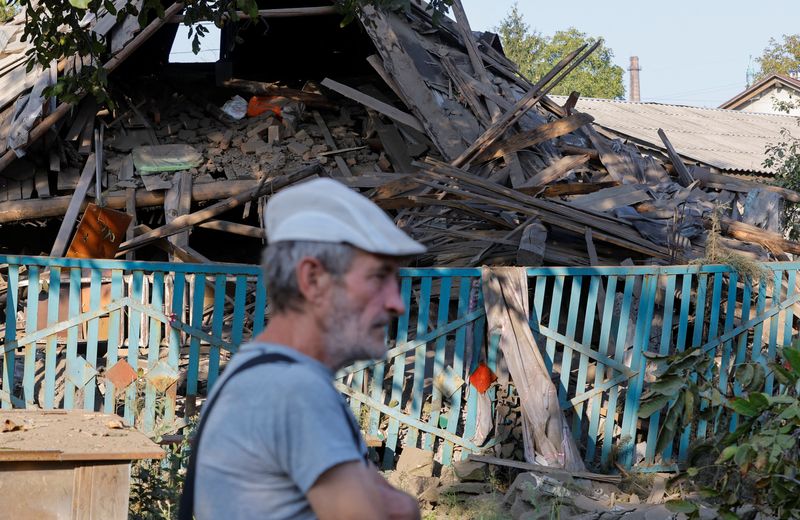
x: 281, y: 366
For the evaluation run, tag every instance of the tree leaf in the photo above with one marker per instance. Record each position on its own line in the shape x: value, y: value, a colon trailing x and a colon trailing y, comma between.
x: 680, y: 506
x: 79, y: 4
x: 743, y: 407
x: 744, y: 374
x: 792, y: 355
x: 689, y: 400
x: 744, y: 455
x: 759, y: 376
x: 759, y: 401
x: 651, y: 406
x: 726, y: 454
x: 668, y: 385
x: 692, y: 472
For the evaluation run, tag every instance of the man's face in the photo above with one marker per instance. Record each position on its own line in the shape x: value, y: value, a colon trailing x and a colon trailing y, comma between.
x: 361, y: 305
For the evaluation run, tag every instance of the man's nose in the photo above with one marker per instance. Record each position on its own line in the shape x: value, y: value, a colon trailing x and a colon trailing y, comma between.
x: 394, y: 302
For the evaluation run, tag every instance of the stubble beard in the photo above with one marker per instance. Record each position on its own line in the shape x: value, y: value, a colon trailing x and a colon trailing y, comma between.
x: 347, y: 340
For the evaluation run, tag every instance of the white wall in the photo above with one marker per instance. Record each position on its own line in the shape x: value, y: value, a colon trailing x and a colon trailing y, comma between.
x: 765, y: 103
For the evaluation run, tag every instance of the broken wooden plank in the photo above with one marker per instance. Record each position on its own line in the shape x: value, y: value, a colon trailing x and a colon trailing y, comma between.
x: 177, y: 202
x: 612, y: 198
x: 395, y: 41
x: 86, y: 111
x: 326, y: 134
x: 42, y: 181
x: 234, y: 228
x: 71, y: 216
x: 684, y: 177
x: 617, y: 167
x: 726, y: 182
x: 379, y: 106
x: 46, y: 123
x: 130, y: 208
x: 395, y: 147
x: 499, y: 127
x: 538, y: 468
x: 570, y: 188
x: 555, y: 171
x: 533, y: 137
x: 182, y: 222
x: 57, y: 206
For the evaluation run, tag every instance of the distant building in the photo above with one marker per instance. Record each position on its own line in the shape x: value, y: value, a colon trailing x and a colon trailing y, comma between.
x: 763, y: 96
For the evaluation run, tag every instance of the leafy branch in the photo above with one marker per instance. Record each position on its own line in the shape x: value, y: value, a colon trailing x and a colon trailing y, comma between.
x: 757, y: 461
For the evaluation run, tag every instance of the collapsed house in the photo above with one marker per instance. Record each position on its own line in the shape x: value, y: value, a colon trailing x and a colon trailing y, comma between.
x: 431, y: 121
x: 436, y: 126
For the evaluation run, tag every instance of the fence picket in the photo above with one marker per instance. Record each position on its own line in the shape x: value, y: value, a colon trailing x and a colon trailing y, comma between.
x: 777, y: 289
x: 443, y: 312
x: 113, y: 344
x: 51, y: 352
x: 31, y: 326
x: 601, y: 372
x: 9, y: 357
x: 465, y: 284
x: 217, y: 322
x: 399, y: 368
x: 192, y: 372
x: 134, y: 321
x: 93, y: 329
x: 663, y: 349
x: 417, y: 388
x: 583, y: 366
x: 566, y: 352
x: 153, y: 351
x: 619, y: 356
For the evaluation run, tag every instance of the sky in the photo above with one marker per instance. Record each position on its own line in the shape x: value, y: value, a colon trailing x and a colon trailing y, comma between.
x: 690, y: 52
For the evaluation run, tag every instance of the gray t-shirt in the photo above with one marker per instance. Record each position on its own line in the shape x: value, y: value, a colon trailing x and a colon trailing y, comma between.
x: 273, y: 431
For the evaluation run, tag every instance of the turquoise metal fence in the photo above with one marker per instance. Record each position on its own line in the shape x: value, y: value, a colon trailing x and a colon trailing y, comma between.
x: 70, y: 326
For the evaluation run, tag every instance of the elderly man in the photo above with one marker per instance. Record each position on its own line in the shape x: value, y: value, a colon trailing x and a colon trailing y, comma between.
x: 278, y: 441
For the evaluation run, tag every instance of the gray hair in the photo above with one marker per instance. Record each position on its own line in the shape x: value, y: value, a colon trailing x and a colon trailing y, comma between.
x: 280, y: 260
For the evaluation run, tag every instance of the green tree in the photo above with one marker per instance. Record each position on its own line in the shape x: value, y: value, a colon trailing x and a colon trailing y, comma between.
x: 535, y: 54
x: 7, y: 11
x: 780, y: 56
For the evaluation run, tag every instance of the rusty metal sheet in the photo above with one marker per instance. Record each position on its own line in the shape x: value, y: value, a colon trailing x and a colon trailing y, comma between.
x: 99, y: 233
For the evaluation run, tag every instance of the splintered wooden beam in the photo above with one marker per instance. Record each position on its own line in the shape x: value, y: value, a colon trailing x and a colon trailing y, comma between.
x: 536, y: 136
x: 70, y: 217
x: 185, y: 221
x: 684, y: 177
x: 551, y: 79
x: 287, y: 12
x: 614, y: 163
x: 326, y: 134
x: 235, y: 228
x: 756, y: 235
x: 556, y: 171
x: 370, y: 102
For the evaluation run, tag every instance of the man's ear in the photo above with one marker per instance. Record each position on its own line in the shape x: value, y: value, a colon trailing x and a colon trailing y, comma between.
x: 313, y: 280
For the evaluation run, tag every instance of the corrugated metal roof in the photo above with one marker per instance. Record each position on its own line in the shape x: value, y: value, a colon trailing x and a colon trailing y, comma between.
x: 725, y: 139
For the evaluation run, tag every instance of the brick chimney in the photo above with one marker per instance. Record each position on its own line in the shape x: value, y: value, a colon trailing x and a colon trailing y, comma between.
x: 634, y: 70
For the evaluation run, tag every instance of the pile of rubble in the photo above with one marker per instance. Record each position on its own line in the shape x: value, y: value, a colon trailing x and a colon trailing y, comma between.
x: 487, y: 487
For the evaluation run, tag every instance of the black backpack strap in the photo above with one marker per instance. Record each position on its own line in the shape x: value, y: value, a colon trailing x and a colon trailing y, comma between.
x: 186, y: 508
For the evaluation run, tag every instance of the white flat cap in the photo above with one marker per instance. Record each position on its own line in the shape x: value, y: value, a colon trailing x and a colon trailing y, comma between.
x: 323, y: 210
